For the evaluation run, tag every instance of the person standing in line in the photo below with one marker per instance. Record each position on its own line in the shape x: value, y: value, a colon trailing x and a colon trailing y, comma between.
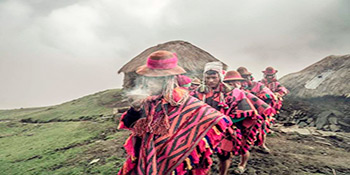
x: 233, y: 103
x: 265, y: 94
x: 171, y: 131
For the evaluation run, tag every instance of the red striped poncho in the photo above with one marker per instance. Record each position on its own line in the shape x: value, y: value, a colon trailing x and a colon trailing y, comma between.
x: 234, y: 103
x: 262, y: 92
x: 266, y: 111
x: 244, y: 116
x: 193, y: 130
x: 277, y: 88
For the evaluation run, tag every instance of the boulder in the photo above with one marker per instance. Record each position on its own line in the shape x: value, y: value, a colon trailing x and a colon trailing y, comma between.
x: 302, y: 124
x: 333, y: 120
x: 337, y: 113
x: 344, y: 124
x: 334, y: 128
x: 321, y: 120
x: 312, y: 124
x: 309, y: 120
x: 326, y: 127
x: 304, y: 118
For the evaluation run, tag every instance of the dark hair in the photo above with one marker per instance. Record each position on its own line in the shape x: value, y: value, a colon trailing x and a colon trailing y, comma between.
x: 211, y: 72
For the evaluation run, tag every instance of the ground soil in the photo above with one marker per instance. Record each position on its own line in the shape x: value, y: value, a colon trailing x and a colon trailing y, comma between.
x: 291, y: 154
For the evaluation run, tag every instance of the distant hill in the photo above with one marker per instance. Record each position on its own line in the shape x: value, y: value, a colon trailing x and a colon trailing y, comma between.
x: 90, y: 106
x: 328, y: 77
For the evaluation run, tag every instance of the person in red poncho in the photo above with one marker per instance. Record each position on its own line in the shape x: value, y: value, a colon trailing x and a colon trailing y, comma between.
x: 265, y: 94
x: 234, y: 79
x: 271, y: 82
x: 233, y: 103
x: 171, y: 132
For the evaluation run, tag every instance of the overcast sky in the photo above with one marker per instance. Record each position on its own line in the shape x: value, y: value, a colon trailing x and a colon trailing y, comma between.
x: 56, y: 51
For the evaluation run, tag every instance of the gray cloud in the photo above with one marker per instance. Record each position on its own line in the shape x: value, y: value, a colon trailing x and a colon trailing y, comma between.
x: 52, y: 52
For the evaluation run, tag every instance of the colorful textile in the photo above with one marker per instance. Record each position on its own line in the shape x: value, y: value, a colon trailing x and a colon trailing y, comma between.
x: 262, y: 92
x: 241, y: 106
x: 183, y: 80
x: 275, y: 86
x: 173, y: 139
x: 266, y: 112
x: 214, y: 98
x: 236, y: 105
x: 244, y: 116
x: 278, y: 89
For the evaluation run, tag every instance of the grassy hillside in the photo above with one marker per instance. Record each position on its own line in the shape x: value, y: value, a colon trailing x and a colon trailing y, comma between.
x: 77, y: 137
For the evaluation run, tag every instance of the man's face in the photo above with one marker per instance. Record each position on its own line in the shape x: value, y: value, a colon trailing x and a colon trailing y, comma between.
x: 154, y: 85
x: 212, y: 80
x: 233, y: 83
x: 270, y: 77
x: 247, y: 78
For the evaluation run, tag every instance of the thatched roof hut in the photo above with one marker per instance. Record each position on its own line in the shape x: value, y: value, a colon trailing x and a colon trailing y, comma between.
x: 191, y: 58
x: 328, y: 77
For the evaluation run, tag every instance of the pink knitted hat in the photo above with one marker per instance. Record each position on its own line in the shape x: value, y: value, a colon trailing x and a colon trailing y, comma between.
x: 160, y: 63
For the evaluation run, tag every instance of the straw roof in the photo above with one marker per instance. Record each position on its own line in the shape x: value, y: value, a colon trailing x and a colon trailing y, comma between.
x: 191, y: 58
x: 328, y: 77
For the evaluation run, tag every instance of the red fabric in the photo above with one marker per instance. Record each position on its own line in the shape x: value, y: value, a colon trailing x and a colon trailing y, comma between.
x: 162, y: 64
x: 183, y: 80
x: 275, y: 86
x: 190, y: 126
x: 215, y: 98
x: 121, y: 123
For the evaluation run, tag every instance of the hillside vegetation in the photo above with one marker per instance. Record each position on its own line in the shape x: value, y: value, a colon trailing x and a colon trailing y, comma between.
x: 77, y: 137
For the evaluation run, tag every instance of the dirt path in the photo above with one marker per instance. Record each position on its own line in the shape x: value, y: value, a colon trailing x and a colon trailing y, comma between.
x: 295, y: 154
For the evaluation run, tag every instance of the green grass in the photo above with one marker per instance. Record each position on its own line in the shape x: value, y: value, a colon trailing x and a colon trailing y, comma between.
x: 49, y: 147
x: 40, y: 147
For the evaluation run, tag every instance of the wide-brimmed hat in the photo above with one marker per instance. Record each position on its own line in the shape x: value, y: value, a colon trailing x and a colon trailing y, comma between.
x: 196, y: 81
x: 159, y: 64
x: 243, y: 71
x: 233, y: 75
x: 270, y: 71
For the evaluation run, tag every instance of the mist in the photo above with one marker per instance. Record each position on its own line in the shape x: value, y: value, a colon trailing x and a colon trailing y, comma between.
x: 52, y: 52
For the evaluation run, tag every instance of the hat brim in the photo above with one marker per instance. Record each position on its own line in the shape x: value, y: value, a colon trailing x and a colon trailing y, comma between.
x: 270, y: 73
x: 146, y: 71
x: 234, y: 79
x: 246, y: 73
